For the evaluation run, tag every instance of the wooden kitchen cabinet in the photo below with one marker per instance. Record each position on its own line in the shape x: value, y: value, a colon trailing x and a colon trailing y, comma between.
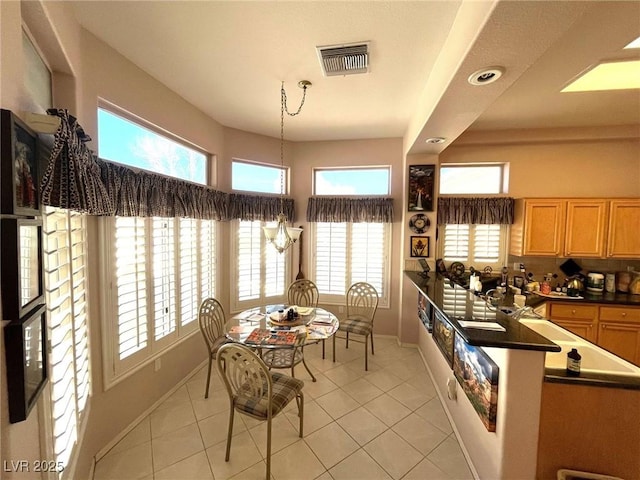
x: 585, y: 231
x: 579, y: 319
x: 619, y: 332
x: 623, y: 240
x: 538, y: 227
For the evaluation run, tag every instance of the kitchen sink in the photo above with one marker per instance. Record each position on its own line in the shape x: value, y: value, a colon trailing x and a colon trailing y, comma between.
x: 594, y: 358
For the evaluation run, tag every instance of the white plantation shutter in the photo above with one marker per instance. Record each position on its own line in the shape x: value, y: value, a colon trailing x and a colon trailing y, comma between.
x: 331, y: 258
x: 486, y: 243
x: 475, y: 245
x: 456, y: 242
x: 164, y: 281
x: 65, y: 291
x: 346, y: 253
x: 160, y: 270
x: 189, y: 297
x: 261, y: 273
x: 368, y: 256
x: 207, y: 253
x: 454, y: 301
x: 249, y: 251
x: 130, y: 286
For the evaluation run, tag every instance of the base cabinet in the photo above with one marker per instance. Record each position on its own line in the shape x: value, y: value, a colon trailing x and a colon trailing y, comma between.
x: 615, y: 328
x: 578, y: 319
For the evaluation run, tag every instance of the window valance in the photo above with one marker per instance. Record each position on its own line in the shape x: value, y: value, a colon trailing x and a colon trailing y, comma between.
x: 259, y: 207
x: 76, y: 180
x: 346, y: 209
x: 72, y: 177
x: 467, y: 210
x: 144, y: 194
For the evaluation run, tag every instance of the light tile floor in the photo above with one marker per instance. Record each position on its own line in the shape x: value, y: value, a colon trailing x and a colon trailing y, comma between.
x: 386, y: 423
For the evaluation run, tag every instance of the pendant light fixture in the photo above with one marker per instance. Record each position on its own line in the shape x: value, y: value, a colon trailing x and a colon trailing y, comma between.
x: 281, y: 236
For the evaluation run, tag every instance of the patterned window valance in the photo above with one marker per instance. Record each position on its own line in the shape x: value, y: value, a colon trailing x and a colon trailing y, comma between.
x: 76, y: 180
x: 145, y: 194
x: 72, y: 177
x: 344, y: 209
x: 259, y: 207
x: 463, y: 210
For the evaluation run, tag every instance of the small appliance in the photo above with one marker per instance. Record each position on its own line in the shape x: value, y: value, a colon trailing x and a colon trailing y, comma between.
x: 595, y: 282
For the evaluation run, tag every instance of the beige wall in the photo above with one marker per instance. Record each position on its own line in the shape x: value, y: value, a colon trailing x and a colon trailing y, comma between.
x: 559, y: 163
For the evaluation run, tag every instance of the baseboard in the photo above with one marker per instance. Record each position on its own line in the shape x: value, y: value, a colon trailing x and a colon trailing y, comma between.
x: 104, y: 450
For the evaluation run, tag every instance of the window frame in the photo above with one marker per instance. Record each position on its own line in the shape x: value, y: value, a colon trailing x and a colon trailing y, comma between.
x: 156, y: 129
x: 285, y: 170
x: 361, y: 168
x: 496, y: 266
x: 503, y: 181
x: 237, y: 305
x: 338, y: 299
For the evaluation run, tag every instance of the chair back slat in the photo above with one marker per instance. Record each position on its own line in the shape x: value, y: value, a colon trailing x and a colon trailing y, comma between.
x: 303, y: 293
x: 362, y: 301
x: 245, y: 374
x: 211, y: 319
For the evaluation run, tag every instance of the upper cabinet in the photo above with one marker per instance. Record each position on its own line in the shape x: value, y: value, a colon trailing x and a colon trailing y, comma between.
x: 585, y: 228
x: 624, y: 229
x: 538, y: 227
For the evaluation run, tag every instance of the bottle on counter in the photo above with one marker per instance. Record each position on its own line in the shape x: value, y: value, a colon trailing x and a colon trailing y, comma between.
x: 573, y: 362
x: 545, y: 287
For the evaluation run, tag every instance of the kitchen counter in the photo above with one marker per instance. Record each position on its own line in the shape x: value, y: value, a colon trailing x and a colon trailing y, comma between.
x: 460, y: 304
x: 467, y: 306
x: 587, y: 297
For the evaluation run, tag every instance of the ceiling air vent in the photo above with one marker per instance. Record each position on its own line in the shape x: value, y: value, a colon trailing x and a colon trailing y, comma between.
x: 344, y: 59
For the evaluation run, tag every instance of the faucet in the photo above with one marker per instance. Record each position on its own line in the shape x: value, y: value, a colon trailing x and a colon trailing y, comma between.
x: 520, y: 311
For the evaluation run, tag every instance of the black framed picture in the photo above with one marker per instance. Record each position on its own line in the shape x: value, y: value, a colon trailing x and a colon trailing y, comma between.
x: 443, y: 334
x: 419, y: 246
x: 421, y: 184
x: 25, y: 349
x: 478, y: 376
x: 19, y: 166
x: 22, y: 281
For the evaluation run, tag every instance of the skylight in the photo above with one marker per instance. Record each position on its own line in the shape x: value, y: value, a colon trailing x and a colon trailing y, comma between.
x: 608, y: 76
x: 634, y: 44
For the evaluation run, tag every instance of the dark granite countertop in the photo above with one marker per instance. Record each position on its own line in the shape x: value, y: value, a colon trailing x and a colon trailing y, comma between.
x: 457, y: 304
x: 518, y: 336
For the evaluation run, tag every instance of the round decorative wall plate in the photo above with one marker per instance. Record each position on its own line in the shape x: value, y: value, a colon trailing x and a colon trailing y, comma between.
x: 419, y: 223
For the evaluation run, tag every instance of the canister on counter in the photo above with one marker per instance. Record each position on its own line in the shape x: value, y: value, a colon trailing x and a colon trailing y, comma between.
x: 610, y: 282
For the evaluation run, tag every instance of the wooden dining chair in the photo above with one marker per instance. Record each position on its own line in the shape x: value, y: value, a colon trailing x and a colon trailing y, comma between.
x: 362, y: 303
x: 211, y: 320
x: 255, y: 391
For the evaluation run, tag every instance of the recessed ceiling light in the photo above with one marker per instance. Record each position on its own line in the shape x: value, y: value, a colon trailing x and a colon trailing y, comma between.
x: 634, y: 44
x: 608, y: 76
x: 435, y: 140
x: 486, y: 75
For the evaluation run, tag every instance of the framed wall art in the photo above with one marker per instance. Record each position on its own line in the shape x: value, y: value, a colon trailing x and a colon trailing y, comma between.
x: 421, y: 184
x: 21, y: 268
x: 478, y: 376
x: 25, y: 349
x: 443, y: 334
x: 419, y: 246
x: 19, y: 167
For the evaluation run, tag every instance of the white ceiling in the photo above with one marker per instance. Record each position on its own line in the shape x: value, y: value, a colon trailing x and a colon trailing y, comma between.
x: 228, y: 58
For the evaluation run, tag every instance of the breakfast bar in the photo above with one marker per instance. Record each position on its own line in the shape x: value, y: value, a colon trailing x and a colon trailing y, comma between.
x: 527, y: 388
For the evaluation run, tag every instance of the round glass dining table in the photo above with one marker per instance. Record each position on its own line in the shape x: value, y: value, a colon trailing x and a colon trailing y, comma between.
x: 267, y: 327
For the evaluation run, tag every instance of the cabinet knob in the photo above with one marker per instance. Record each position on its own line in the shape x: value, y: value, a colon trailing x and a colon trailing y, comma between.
x: 624, y: 314
x: 573, y: 312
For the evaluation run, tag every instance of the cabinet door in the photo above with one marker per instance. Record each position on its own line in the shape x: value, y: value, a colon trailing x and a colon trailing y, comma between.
x: 579, y: 319
x: 623, y: 339
x: 584, y: 328
x: 544, y: 227
x: 585, y: 228
x: 624, y: 229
